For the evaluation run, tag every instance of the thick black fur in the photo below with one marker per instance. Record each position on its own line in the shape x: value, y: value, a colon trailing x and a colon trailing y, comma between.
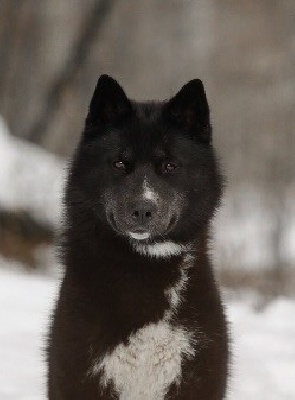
x: 109, y: 290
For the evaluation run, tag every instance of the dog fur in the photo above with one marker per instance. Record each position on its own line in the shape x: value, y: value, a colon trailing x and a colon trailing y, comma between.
x: 139, y: 316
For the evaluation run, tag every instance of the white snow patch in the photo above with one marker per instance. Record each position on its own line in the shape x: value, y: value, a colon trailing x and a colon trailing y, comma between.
x: 24, y: 317
x: 31, y: 178
x: 264, y: 351
x: 245, y: 226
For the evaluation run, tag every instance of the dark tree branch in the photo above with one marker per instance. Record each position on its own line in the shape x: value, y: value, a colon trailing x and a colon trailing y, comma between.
x: 11, y: 23
x: 93, y: 24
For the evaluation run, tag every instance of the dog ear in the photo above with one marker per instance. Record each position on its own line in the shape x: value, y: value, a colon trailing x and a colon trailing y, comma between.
x: 109, y: 102
x: 189, y: 110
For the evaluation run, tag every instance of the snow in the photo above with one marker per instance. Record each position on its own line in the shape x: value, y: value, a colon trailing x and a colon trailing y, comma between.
x: 25, y: 301
x: 245, y: 225
x: 264, y: 351
x: 31, y: 178
x: 263, y: 342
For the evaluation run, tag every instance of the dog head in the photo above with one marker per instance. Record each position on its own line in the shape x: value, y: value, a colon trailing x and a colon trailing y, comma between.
x: 148, y: 170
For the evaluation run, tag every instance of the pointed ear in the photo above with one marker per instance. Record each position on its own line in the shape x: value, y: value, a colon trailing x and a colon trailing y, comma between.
x: 189, y: 110
x: 109, y: 102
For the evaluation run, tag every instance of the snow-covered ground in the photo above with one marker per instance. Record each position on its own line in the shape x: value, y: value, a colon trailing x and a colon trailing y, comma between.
x: 263, y: 342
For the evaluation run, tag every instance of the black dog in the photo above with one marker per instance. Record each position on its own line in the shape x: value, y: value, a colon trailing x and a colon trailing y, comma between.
x: 139, y: 315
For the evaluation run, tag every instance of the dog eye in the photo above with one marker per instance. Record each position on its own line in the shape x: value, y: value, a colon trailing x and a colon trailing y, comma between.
x: 119, y: 165
x: 168, y: 167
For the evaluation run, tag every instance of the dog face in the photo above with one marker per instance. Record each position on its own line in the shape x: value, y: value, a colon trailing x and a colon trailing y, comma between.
x: 147, y: 170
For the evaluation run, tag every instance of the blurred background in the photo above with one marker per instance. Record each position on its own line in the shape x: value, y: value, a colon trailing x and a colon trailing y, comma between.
x: 51, y: 55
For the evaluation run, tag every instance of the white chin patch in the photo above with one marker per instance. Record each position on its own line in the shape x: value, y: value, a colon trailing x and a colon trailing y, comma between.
x: 139, y: 236
x: 165, y: 249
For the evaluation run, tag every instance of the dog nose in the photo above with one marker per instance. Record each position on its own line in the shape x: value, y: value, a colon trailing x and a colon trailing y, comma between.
x: 143, y: 212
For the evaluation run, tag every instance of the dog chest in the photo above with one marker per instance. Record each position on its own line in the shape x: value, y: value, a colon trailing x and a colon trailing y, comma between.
x: 152, y: 360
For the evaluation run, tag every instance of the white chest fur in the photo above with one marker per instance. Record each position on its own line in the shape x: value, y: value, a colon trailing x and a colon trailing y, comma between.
x: 145, y: 368
x: 152, y: 360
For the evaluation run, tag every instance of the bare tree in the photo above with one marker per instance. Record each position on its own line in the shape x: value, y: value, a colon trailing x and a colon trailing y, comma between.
x: 92, y: 26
